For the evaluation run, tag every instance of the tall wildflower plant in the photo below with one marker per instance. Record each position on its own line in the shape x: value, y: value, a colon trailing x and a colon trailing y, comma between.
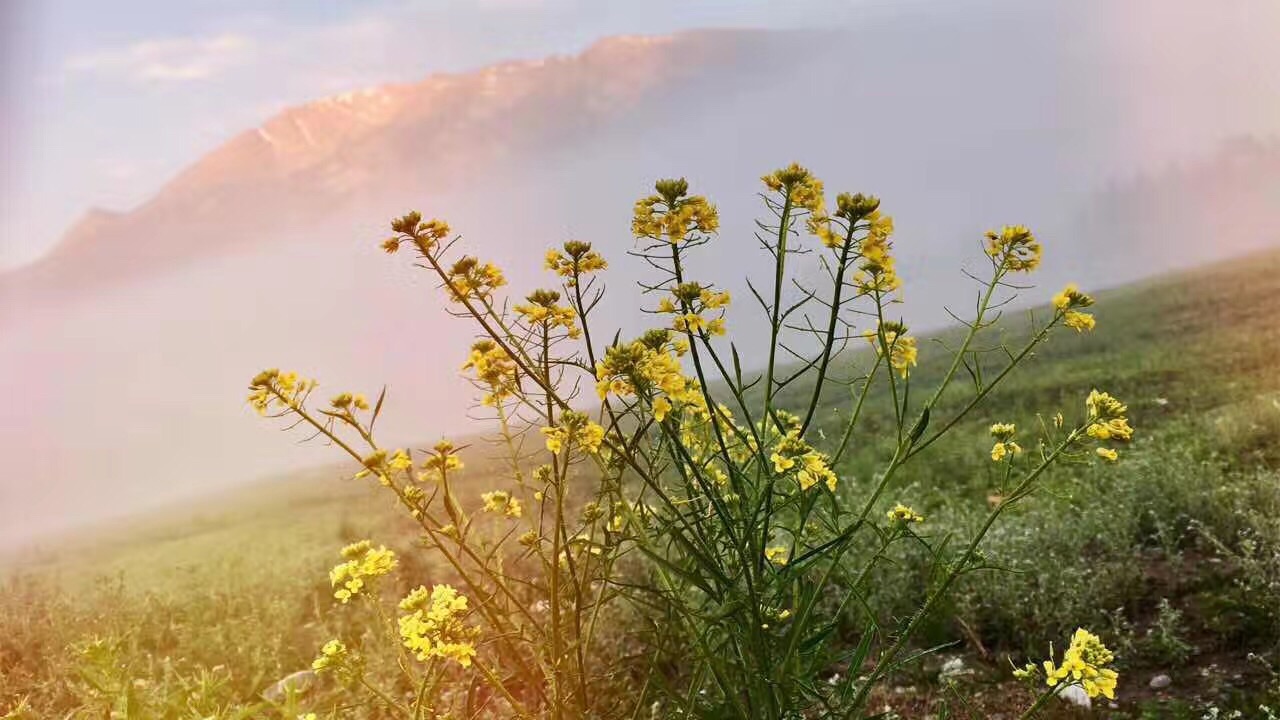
x: 681, y: 494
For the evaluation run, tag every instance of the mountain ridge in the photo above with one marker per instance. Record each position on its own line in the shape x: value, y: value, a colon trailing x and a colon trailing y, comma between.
x: 344, y: 148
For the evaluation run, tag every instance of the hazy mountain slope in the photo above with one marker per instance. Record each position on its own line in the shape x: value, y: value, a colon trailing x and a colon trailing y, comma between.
x: 314, y: 163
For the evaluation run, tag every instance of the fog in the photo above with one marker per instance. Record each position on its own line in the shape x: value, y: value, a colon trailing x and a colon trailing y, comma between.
x: 1105, y: 126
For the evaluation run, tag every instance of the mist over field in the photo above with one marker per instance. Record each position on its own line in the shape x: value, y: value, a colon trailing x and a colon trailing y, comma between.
x: 1134, y: 137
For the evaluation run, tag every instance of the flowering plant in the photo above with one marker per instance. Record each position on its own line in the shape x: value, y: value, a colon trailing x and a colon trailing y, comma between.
x: 685, y: 495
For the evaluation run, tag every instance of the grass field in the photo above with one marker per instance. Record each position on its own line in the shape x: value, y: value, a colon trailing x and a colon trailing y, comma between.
x: 1175, y: 559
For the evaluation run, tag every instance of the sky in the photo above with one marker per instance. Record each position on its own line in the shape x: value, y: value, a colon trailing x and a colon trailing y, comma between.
x: 102, y: 102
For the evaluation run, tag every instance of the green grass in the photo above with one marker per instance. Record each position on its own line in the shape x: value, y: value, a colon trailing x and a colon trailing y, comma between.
x: 1190, y: 516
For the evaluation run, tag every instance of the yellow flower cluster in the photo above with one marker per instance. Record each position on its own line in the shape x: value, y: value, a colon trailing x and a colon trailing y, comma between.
x: 876, y: 273
x: 364, y: 562
x: 333, y: 656
x: 799, y: 186
x: 1085, y: 664
x: 495, y: 370
x: 777, y: 554
x: 348, y: 402
x: 469, y: 279
x: 575, y: 260
x: 673, y: 214
x: 903, y: 514
x: 853, y: 209
x: 433, y: 625
x: 500, y: 501
x: 903, y: 349
x: 1005, y: 444
x: 1066, y: 303
x: 441, y: 460
x: 650, y: 364
x: 1107, y: 421
x: 810, y: 466
x: 542, y: 310
x: 575, y: 428
x: 1014, y: 248
x: 381, y: 464
x: 411, y: 228
x: 273, y: 388
x: 690, y: 302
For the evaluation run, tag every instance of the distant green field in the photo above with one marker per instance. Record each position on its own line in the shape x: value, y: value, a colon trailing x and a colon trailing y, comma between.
x: 1179, y: 564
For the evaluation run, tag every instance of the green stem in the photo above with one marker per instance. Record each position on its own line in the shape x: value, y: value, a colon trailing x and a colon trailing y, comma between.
x: 986, y: 389
x: 890, y: 655
x: 833, y: 320
x: 779, y: 277
x: 1039, y: 703
x: 853, y: 419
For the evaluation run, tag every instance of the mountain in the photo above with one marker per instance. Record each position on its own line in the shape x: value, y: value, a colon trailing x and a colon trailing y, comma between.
x: 312, y: 163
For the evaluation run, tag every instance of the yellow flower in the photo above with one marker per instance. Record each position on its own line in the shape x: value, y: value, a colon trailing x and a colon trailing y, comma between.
x: 777, y: 554
x: 714, y: 300
x: 650, y: 362
x: 904, y: 514
x: 798, y: 185
x: 574, y: 428
x: 556, y: 438
x: 813, y: 470
x: 1026, y: 672
x: 689, y: 322
x: 468, y: 279
x: 876, y: 267
x: 661, y: 406
x: 433, y: 625
x: 495, y: 371
x: 440, y: 462
x: 1001, y: 449
x: 673, y: 214
x: 400, y: 461
x: 1116, y: 428
x: 1013, y: 248
x: 1078, y: 321
x: 1003, y: 431
x: 411, y: 228
x: 333, y: 656
x: 782, y: 463
x: 576, y: 260
x: 364, y: 562
x: 281, y: 390
x: 1071, y: 297
x: 1107, y: 421
x: 543, y: 311
x: 500, y: 501
x: 1085, y: 664
x: 1102, y: 405
x: 903, y: 350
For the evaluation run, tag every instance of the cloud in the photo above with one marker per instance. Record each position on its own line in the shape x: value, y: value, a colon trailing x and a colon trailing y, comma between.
x: 181, y: 59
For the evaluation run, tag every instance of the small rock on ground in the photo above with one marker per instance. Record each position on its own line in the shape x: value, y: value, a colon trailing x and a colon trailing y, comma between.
x: 1075, y: 695
x: 299, y: 682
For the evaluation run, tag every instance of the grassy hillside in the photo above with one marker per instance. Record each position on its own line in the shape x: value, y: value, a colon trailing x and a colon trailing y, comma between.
x: 1179, y: 566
